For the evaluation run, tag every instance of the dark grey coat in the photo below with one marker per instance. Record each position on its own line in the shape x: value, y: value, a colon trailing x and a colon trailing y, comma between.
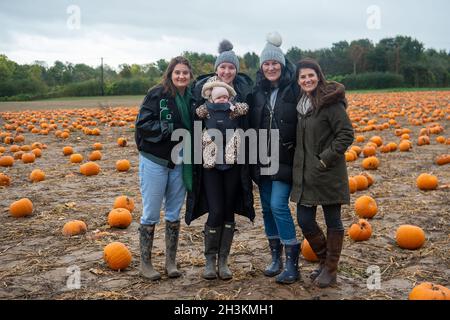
x: 323, y: 133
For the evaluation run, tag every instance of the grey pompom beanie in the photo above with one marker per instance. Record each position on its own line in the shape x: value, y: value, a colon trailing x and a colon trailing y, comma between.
x: 272, y: 49
x: 226, y: 54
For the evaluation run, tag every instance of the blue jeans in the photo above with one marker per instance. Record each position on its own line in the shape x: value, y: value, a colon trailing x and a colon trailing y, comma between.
x: 278, y: 222
x: 160, y: 183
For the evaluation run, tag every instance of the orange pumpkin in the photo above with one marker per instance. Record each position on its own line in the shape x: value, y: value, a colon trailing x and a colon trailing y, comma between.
x: 352, y: 185
x: 123, y: 165
x: 307, y: 252
x: 37, y: 175
x: 8, y: 140
x: 392, y: 146
x: 371, y: 163
x: 360, y: 231
x: 423, y: 140
x: 124, y: 202
x: 122, y: 142
x: 37, y: 145
x: 361, y: 182
x: 442, y: 159
x: 95, y: 155
x: 369, y: 151
x: 28, y: 158
x: 14, y: 148
x: 429, y: 291
x: 405, y: 136
x: 90, y: 169
x: 385, y: 149
x: 4, y: 180
x: 76, y: 158
x: 119, y: 218
x: 427, y: 182
x: 97, y: 146
x: 357, y: 149
x: 19, y: 138
x: 74, y: 227
x: 404, y: 146
x: 117, y: 256
x: 440, y: 139
x: 18, y: 155
x: 377, y: 140
x: 410, y: 237
x: 370, y: 178
x: 6, y: 161
x: 37, y: 152
x: 350, y: 156
x: 21, y: 208
x: 67, y: 150
x: 366, y: 207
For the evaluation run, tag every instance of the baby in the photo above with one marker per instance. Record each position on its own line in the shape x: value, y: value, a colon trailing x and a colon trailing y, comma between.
x: 215, y: 112
x: 218, y: 92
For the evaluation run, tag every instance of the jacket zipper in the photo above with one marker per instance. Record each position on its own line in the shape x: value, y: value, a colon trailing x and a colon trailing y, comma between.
x: 268, y: 106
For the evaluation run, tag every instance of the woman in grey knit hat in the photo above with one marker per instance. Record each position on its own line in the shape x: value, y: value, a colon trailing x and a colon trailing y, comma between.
x: 226, y: 69
x: 269, y: 110
x: 223, y: 190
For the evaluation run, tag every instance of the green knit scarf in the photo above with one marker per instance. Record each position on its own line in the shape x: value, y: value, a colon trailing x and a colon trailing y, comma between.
x: 183, y: 103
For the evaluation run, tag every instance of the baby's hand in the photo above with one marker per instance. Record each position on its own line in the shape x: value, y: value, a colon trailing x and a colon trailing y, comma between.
x: 232, y: 107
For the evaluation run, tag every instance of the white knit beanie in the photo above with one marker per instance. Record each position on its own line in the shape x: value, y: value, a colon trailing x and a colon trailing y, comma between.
x: 272, y: 49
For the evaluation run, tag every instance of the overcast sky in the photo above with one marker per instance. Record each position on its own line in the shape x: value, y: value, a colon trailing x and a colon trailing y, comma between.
x: 143, y: 31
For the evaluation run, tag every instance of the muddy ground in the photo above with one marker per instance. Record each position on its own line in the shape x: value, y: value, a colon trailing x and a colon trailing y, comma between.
x: 36, y: 259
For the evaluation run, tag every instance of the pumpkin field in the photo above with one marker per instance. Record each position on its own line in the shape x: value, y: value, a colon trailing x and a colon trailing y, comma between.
x: 70, y: 207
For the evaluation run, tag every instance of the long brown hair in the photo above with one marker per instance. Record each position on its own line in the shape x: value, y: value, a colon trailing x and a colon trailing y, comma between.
x: 166, y: 81
x: 326, y: 92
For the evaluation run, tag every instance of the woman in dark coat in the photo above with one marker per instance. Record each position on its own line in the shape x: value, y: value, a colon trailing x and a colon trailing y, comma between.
x: 324, y: 132
x: 271, y: 110
x: 215, y: 188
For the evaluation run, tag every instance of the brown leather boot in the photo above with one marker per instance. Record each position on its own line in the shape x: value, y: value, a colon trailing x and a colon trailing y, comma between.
x: 318, y: 243
x: 328, y: 276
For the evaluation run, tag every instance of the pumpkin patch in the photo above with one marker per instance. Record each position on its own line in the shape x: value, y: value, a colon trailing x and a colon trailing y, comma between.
x: 86, y: 167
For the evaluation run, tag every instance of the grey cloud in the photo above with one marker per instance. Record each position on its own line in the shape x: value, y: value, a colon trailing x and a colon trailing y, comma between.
x: 306, y: 24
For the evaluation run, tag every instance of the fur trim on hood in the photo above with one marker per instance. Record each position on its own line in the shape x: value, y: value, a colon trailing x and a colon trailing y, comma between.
x: 332, y: 93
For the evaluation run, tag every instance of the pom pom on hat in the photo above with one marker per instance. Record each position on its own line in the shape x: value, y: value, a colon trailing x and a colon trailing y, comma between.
x: 225, y: 45
x: 274, y: 38
x: 272, y: 49
x: 226, y: 54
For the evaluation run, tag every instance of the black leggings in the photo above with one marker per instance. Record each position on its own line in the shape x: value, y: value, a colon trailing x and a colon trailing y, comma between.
x: 306, y: 217
x: 221, y: 188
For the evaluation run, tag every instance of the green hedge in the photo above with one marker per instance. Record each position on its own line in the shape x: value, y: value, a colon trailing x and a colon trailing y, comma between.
x: 372, y: 80
x: 129, y: 87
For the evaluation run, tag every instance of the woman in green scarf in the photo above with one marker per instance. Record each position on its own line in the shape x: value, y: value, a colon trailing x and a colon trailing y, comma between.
x: 165, y: 108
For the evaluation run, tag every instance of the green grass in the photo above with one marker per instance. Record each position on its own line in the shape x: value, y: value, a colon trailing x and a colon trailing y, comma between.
x: 397, y: 90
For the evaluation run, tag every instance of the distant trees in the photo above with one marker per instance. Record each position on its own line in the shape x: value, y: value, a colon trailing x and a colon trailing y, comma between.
x: 401, y: 61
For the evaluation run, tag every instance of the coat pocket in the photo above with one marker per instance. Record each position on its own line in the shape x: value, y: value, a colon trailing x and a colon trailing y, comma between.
x: 319, y: 166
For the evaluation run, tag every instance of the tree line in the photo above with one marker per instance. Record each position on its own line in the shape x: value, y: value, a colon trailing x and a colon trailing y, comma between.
x: 392, y: 62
